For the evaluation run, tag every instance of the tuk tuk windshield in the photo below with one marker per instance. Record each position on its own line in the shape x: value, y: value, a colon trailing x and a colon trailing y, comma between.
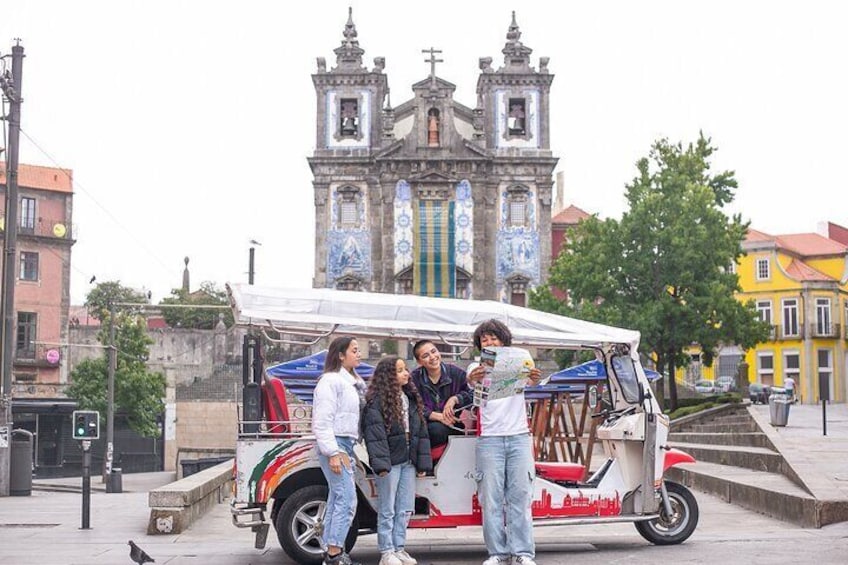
x: 625, y: 373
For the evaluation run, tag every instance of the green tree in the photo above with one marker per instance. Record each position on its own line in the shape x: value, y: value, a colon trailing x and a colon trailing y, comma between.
x: 114, y: 293
x: 662, y: 269
x: 139, y: 393
x: 197, y: 318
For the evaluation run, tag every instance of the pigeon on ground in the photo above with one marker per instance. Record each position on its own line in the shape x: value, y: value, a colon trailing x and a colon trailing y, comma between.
x: 138, y: 555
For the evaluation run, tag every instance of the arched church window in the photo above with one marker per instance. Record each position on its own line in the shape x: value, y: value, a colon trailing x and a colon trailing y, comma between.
x: 349, y: 117
x: 433, y: 127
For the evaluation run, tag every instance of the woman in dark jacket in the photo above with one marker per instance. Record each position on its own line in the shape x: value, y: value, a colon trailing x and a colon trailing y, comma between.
x: 398, y: 448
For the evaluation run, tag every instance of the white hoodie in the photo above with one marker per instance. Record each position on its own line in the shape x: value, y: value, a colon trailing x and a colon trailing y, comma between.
x: 335, y: 410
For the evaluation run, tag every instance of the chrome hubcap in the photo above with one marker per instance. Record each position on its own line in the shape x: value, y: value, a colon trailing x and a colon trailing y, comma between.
x: 307, y: 526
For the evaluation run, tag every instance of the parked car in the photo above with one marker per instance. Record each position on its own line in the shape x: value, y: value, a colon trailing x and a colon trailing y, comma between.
x: 758, y: 393
x: 726, y: 384
x: 705, y: 387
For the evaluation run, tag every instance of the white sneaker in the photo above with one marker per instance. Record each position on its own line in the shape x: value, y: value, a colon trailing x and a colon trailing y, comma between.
x: 389, y: 558
x: 498, y: 560
x: 405, y: 558
x: 523, y: 560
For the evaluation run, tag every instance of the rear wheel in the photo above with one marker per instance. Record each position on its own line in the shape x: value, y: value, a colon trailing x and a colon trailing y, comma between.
x: 300, y: 523
x: 670, y: 530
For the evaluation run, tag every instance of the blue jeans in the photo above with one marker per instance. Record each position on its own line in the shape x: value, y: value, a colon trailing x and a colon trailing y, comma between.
x: 395, y: 504
x: 341, y: 502
x: 505, y: 473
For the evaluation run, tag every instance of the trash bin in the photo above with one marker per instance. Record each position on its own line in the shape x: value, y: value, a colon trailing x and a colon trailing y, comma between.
x: 20, y: 480
x: 116, y: 481
x: 779, y: 404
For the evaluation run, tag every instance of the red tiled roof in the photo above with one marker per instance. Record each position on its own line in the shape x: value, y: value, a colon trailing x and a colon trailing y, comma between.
x: 811, y: 244
x: 754, y: 235
x: 800, y: 271
x: 571, y: 215
x: 43, y: 178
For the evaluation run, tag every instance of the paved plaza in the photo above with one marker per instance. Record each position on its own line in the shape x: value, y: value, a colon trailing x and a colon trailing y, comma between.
x: 43, y: 529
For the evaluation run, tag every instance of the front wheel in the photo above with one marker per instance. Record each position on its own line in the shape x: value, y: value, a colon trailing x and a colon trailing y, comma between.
x: 300, y: 523
x: 674, y: 529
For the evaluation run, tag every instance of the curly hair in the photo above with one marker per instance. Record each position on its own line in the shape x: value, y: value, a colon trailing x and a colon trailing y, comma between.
x: 383, y: 385
x: 495, y: 328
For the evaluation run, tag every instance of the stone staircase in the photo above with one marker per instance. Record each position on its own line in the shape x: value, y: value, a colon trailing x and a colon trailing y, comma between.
x: 737, y: 462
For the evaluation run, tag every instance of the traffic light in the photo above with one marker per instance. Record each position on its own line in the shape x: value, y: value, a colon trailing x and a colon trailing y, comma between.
x: 86, y: 424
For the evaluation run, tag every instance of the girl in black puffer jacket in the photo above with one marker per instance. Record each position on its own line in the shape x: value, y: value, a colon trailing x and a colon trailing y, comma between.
x: 398, y: 448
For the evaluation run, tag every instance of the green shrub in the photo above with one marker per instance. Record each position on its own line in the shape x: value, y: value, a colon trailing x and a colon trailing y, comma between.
x: 688, y: 406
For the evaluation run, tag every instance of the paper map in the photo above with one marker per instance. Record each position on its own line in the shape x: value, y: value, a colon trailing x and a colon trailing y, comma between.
x: 506, y: 375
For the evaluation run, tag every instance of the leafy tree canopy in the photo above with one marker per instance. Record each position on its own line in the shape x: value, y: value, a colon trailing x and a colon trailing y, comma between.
x: 113, y: 293
x: 139, y: 393
x: 197, y: 318
x: 662, y: 269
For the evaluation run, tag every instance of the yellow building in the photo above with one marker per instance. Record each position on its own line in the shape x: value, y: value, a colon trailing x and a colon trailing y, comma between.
x: 799, y: 283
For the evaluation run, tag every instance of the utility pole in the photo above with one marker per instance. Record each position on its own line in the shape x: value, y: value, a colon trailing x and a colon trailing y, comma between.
x: 110, y: 400
x: 11, y: 86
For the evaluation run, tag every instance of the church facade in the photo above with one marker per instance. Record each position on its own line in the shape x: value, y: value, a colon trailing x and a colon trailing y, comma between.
x: 433, y: 197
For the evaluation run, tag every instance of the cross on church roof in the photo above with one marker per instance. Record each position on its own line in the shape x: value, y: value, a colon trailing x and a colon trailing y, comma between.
x: 432, y: 60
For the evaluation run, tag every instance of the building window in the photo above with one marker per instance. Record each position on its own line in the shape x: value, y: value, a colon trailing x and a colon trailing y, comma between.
x: 29, y: 266
x: 25, y: 339
x: 348, y: 207
x: 825, y: 358
x: 792, y: 366
x: 763, y: 269
x: 765, y: 367
x: 348, y: 213
x: 517, y: 288
x: 764, y: 309
x: 349, y: 117
x: 517, y: 117
x: 823, y: 326
x: 517, y: 205
x: 27, y: 215
x: 790, y: 317
x: 517, y: 213
x: 731, y: 268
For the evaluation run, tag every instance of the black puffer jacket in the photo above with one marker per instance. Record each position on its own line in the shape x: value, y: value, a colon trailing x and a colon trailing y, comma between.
x: 391, y: 448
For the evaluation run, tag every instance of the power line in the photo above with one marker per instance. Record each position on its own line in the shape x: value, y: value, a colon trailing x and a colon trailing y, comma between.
x: 77, y: 184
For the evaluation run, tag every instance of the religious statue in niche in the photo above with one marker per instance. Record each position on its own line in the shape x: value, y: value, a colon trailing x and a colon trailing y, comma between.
x: 433, y: 128
x: 349, y: 117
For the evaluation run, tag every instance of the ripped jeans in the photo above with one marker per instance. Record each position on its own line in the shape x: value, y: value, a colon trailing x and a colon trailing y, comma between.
x: 395, y: 504
x: 505, y: 472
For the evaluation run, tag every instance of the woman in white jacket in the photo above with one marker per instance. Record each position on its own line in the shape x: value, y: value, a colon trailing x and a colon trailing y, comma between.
x: 336, y: 406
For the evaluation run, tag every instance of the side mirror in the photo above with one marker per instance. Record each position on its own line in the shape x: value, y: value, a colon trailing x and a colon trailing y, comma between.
x: 593, y: 397
x: 644, y: 392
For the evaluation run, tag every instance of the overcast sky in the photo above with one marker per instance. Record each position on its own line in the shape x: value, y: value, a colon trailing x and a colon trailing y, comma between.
x: 188, y: 124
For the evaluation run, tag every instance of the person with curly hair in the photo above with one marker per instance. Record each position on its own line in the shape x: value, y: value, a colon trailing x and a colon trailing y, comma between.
x: 336, y: 408
x: 505, y: 467
x: 398, y: 445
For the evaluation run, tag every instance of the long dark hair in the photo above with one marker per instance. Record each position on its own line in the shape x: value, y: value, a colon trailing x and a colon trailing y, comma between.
x: 338, y: 347
x: 495, y: 328
x: 384, y: 386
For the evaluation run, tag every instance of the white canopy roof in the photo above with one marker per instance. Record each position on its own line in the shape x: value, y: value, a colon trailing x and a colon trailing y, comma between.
x: 403, y: 316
